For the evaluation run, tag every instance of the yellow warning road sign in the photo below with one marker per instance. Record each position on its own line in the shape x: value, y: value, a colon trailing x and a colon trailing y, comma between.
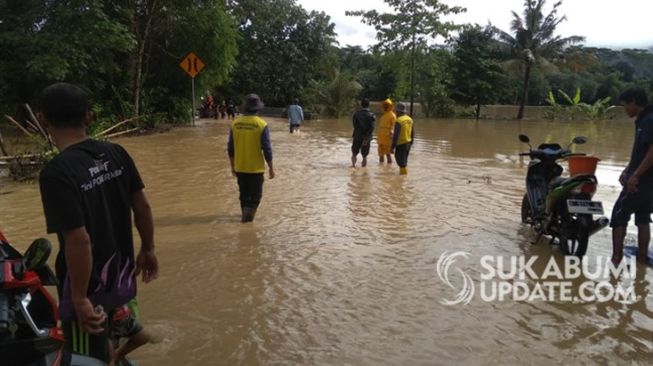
x: 192, y: 64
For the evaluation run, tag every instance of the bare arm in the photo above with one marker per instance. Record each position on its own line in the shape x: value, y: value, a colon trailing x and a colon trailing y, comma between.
x: 143, y: 220
x: 643, y: 167
x: 622, y: 176
x: 79, y: 261
x: 146, y: 261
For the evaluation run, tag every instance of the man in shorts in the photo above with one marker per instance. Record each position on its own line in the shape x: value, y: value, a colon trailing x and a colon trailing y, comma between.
x: 363, y: 121
x: 637, y: 179
x: 89, y: 191
x: 125, y: 325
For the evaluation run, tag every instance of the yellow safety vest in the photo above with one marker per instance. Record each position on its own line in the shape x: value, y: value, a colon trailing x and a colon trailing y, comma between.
x: 405, y: 134
x: 248, y: 153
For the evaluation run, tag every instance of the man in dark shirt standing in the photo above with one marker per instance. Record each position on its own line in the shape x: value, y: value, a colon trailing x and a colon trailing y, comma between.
x: 363, y: 128
x: 637, y: 179
x: 88, y: 192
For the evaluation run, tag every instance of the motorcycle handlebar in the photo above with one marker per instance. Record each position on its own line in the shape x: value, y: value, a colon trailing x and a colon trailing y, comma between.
x: 575, y: 154
x: 562, y: 155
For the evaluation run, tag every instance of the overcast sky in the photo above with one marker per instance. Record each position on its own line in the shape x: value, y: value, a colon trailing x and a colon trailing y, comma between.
x: 604, y: 23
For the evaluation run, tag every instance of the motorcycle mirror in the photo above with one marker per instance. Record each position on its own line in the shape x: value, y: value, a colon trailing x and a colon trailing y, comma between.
x: 524, y: 139
x: 37, y: 254
x: 579, y: 140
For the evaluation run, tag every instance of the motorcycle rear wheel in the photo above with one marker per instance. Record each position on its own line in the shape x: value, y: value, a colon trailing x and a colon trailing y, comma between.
x: 576, y: 244
x: 526, y: 211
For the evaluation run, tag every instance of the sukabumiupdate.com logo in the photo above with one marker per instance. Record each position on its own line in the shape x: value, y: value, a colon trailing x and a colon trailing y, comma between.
x: 529, y: 279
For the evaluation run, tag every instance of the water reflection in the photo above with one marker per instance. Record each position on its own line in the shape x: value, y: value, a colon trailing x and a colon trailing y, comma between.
x: 339, y: 266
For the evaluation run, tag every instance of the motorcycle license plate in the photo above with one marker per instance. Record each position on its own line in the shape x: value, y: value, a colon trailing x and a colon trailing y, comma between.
x: 585, y: 207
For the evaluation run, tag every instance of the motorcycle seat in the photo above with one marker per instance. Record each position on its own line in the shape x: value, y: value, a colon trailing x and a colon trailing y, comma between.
x: 559, y: 181
x: 556, y: 182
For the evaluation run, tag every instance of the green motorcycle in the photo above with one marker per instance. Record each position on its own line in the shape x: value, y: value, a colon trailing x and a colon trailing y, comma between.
x: 561, y: 208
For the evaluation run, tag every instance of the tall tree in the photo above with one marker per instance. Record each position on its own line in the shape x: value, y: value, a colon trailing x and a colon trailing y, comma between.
x: 46, y: 41
x: 126, y: 52
x: 433, y: 76
x: 410, y: 28
x: 205, y: 29
x: 166, y: 30
x: 477, y: 76
x: 533, y: 41
x: 374, y: 70
x: 281, y: 48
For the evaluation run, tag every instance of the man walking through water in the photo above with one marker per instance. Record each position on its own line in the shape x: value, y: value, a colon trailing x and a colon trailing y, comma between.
x: 402, y: 139
x: 363, y: 121
x: 295, y: 116
x: 88, y: 192
x: 249, y: 144
x: 637, y: 179
x: 384, y: 131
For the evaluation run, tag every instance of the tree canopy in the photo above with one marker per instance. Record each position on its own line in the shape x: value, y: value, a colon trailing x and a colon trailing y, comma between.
x: 281, y: 48
x: 126, y: 54
x: 533, y: 41
x: 410, y: 28
x: 476, y: 75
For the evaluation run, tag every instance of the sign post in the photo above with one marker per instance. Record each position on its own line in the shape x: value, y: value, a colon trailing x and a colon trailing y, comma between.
x: 192, y: 86
x: 192, y: 65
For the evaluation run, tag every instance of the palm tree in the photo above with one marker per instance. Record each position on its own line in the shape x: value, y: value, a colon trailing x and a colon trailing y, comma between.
x: 533, y: 42
x: 338, y: 94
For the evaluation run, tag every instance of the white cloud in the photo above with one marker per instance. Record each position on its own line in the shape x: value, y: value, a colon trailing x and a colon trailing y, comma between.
x: 603, y: 22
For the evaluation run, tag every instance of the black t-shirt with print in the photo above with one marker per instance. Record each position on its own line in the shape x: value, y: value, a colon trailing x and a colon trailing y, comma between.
x: 91, y: 184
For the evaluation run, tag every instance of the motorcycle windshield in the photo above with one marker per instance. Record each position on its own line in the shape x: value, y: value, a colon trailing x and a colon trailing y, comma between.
x: 552, y: 147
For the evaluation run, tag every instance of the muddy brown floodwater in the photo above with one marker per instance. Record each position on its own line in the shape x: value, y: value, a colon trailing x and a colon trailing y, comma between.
x: 339, y: 267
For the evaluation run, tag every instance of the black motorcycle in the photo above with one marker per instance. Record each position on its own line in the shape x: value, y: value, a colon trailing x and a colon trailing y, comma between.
x: 560, y: 207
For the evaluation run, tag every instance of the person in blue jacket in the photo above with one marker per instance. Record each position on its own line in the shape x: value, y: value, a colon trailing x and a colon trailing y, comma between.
x: 295, y: 116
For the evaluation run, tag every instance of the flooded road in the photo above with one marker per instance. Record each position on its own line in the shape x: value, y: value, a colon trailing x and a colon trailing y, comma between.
x: 339, y: 267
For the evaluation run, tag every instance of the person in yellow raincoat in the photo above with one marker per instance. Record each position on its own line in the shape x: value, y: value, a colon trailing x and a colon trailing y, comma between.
x: 384, y: 131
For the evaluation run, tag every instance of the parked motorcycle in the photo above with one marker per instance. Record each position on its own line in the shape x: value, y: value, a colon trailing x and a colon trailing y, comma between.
x: 29, y: 332
x: 562, y: 207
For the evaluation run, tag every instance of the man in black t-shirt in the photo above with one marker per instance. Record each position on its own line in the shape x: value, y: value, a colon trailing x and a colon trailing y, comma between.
x: 363, y: 122
x: 88, y: 192
x: 637, y: 179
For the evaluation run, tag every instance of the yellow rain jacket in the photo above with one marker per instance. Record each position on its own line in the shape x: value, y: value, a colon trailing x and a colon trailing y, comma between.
x: 385, y: 128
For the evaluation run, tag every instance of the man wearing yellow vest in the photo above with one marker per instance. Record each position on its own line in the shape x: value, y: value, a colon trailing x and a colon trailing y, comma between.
x: 249, y: 144
x: 402, y: 139
x: 384, y: 131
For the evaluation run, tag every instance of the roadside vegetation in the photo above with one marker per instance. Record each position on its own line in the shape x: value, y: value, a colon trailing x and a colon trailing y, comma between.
x: 127, y: 55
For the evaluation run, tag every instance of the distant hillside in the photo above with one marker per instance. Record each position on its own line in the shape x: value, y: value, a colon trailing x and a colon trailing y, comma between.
x: 634, y: 63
